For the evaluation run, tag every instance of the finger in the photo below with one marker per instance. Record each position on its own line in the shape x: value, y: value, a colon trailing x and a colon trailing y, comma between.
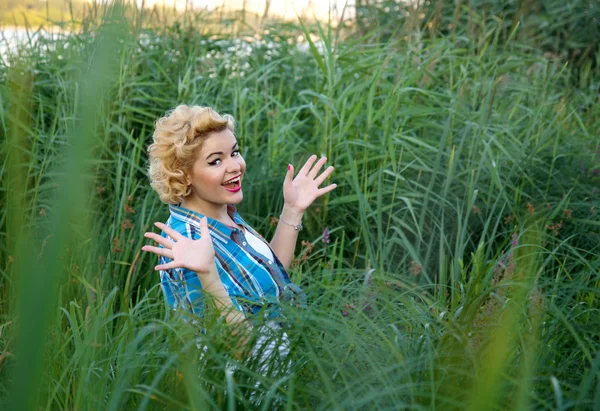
x: 315, y: 170
x: 159, y: 251
x: 290, y: 174
x: 171, y: 233
x: 326, y: 190
x: 165, y: 242
x: 167, y: 266
x: 307, y: 165
x: 204, y: 227
x: 319, y: 180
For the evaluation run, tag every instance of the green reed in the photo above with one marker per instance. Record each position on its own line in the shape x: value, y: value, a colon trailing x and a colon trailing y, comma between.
x: 462, y: 263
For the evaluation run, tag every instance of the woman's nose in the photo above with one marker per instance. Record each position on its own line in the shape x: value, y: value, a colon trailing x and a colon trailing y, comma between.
x: 234, y: 166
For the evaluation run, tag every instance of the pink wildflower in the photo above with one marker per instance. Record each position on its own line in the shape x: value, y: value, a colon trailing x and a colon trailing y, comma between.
x: 326, y: 238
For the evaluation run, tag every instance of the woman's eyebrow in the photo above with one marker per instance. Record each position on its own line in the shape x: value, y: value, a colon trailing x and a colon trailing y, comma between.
x: 220, y: 152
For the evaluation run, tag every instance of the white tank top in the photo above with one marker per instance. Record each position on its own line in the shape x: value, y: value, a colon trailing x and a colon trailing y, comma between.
x: 258, y: 245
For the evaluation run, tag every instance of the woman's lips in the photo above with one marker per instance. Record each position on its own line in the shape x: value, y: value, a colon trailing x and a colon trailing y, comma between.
x: 234, y: 190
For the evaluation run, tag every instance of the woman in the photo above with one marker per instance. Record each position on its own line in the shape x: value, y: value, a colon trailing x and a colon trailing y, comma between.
x: 206, y: 248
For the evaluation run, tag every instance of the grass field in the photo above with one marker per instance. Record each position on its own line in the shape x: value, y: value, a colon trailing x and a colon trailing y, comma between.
x: 456, y: 266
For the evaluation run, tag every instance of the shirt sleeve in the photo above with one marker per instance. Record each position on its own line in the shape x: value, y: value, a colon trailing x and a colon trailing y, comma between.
x: 182, y: 289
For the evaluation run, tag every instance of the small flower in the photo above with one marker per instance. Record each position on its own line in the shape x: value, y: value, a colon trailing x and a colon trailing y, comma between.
x: 274, y: 221
x: 326, y: 238
x: 347, y: 308
x: 415, y: 268
x: 530, y: 209
x: 305, y: 255
x: 126, y: 224
x: 509, y: 218
x: 555, y: 227
x: 568, y: 213
x: 116, y: 245
x: 309, y: 246
x: 43, y: 212
x: 515, y: 240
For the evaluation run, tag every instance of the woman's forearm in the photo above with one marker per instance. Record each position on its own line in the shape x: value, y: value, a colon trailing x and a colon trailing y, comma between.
x: 212, y: 285
x: 284, y: 240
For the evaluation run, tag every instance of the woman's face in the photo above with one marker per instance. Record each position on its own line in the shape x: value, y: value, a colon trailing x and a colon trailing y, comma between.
x: 218, y: 162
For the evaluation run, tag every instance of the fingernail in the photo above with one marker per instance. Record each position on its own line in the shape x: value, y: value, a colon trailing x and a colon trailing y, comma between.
x: 289, y: 167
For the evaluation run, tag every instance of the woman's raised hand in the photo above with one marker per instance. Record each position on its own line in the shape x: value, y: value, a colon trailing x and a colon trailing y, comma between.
x: 195, y: 255
x: 300, y: 192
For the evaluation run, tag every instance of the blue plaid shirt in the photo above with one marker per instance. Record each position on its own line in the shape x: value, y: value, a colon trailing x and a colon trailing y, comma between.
x: 252, y: 280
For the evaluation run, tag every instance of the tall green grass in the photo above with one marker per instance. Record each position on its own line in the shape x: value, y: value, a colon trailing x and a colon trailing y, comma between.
x: 461, y: 268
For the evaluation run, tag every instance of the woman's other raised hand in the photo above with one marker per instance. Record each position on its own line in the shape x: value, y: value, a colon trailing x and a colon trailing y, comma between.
x: 195, y: 255
x: 300, y: 192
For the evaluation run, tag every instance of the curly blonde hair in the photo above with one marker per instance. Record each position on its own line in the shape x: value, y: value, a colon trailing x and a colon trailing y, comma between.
x: 178, y: 137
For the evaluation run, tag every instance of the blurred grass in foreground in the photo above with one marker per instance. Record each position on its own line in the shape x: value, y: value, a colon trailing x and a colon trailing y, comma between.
x: 460, y: 265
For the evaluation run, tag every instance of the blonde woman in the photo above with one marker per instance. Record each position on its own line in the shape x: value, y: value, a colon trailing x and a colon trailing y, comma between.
x: 206, y: 247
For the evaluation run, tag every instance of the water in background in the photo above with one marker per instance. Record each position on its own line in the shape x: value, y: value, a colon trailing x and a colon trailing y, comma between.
x: 13, y: 37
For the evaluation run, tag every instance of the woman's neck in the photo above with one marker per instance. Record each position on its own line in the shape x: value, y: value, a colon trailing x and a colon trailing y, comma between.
x: 214, y: 211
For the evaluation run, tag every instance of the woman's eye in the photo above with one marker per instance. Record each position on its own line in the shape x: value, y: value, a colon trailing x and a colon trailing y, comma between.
x: 234, y: 153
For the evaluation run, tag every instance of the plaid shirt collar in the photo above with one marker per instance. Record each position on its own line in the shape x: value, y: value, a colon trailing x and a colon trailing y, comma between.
x: 216, y: 228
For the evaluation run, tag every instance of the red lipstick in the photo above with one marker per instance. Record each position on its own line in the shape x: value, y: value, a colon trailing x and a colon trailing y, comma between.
x: 236, y: 185
x: 234, y: 190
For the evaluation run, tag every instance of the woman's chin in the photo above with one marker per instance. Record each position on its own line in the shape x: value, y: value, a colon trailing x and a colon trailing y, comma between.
x: 236, y: 198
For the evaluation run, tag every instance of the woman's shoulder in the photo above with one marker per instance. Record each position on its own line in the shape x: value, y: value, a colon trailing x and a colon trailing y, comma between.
x: 181, y: 227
